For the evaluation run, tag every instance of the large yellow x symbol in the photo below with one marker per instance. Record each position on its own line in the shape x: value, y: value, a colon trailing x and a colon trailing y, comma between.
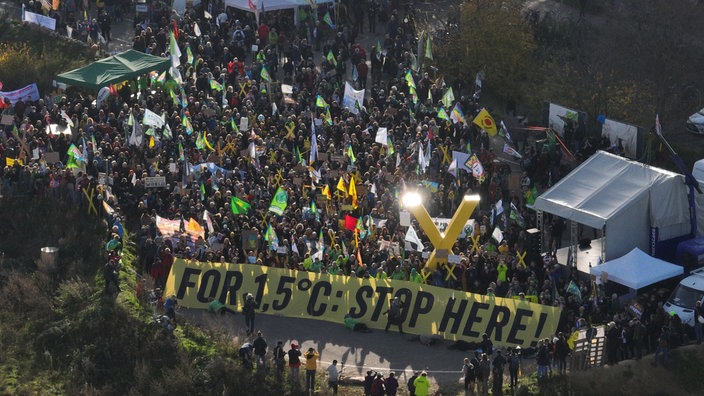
x: 442, y: 242
x: 445, y: 156
x: 425, y: 274
x: 475, y: 243
x: 265, y: 221
x: 89, y: 196
x: 242, y: 87
x: 291, y: 128
x: 272, y: 157
x: 279, y: 177
x: 450, y: 271
x: 521, y: 258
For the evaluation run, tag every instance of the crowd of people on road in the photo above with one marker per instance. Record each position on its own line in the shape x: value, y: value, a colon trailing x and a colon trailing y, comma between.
x: 232, y: 140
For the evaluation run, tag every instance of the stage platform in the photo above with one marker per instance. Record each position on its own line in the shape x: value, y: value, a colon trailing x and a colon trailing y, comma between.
x: 584, y: 257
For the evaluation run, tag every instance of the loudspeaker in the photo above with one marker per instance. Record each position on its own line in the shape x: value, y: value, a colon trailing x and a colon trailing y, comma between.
x: 533, y: 247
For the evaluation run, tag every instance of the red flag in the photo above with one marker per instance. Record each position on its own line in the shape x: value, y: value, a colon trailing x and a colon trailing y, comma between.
x: 175, y: 29
x: 350, y: 222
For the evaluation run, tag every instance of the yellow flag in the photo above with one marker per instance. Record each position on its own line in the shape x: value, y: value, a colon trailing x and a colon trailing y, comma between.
x: 484, y: 121
x: 341, y: 185
x: 353, y: 192
x: 207, y: 144
x: 9, y: 161
x: 326, y: 191
x: 151, y: 141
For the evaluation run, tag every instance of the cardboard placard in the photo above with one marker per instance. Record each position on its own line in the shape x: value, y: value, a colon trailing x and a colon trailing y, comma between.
x: 51, y: 157
x: 338, y: 158
x: 347, y: 207
x: 514, y: 182
x: 7, y: 120
x: 102, y: 178
x: 244, y: 124
x: 249, y: 240
x: 286, y: 89
x: 155, y: 182
x: 298, y: 181
x: 173, y: 168
x: 322, y: 155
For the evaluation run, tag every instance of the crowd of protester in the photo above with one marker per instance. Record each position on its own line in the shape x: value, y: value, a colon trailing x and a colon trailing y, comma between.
x: 231, y: 69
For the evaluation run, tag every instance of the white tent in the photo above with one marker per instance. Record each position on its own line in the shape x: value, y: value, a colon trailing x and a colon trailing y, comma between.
x: 271, y: 5
x: 637, y: 270
x: 625, y: 199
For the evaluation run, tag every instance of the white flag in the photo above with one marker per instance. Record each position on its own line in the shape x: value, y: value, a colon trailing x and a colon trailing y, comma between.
x: 412, y: 237
x: 313, y: 144
x: 274, y: 109
x: 497, y: 235
x: 294, y: 247
x: 153, y: 119
x: 68, y: 119
x: 421, y: 159
x: 208, y: 221
x: 499, y: 208
x: 196, y: 29
x: 382, y: 136
x: 69, y: 31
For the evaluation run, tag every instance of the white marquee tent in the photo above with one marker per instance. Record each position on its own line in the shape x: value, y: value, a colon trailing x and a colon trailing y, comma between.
x: 637, y: 270
x: 624, y: 199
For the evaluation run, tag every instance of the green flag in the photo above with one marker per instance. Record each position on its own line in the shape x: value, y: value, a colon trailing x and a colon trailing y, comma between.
x: 448, y: 98
x: 320, y: 102
x: 264, y: 74
x: 428, y: 49
x: 280, y: 201
x: 239, y: 206
x: 442, y: 114
x: 331, y: 58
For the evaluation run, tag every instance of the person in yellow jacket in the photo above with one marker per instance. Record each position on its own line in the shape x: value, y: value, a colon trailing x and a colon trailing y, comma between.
x: 311, y: 366
x: 422, y: 385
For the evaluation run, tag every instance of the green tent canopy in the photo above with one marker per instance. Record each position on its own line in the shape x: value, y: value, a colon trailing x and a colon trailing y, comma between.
x: 114, y: 69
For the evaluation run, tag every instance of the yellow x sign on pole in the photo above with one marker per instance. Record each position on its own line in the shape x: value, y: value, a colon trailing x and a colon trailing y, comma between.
x: 442, y: 242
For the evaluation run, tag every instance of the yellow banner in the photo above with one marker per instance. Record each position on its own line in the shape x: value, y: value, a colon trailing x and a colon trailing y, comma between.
x: 426, y: 309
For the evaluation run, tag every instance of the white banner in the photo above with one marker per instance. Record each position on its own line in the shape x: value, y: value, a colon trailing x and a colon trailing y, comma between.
x: 155, y: 182
x: 153, y: 119
x: 628, y: 134
x: 30, y: 91
x: 442, y: 222
x: 102, y: 95
x: 39, y: 19
x: 351, y: 97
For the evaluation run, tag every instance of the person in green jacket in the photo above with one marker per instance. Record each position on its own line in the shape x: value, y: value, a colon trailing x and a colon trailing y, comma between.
x: 422, y: 385
x: 415, y: 276
x: 216, y: 306
x: 398, y: 274
x: 355, y: 325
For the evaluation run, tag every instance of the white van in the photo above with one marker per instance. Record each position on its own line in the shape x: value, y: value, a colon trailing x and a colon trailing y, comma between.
x: 685, y: 296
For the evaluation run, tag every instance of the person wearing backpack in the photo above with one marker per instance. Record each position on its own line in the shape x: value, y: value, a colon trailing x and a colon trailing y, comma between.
x: 394, y: 316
